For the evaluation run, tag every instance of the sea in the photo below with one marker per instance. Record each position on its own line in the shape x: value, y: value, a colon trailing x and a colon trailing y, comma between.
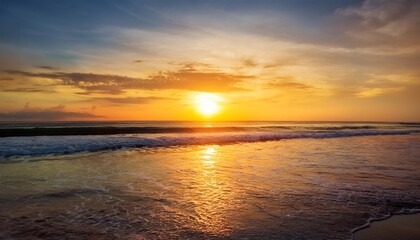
x: 204, y: 180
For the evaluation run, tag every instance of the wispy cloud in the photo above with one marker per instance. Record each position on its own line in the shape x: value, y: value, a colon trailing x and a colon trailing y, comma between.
x: 130, y: 100
x: 43, y: 67
x: 289, y: 85
x: 28, y: 90
x: 185, y: 79
x: 381, y: 23
x: 378, y: 91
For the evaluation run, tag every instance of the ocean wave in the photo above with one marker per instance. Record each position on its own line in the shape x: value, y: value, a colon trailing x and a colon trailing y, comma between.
x: 44, y: 145
x: 73, y: 129
x: 344, y: 128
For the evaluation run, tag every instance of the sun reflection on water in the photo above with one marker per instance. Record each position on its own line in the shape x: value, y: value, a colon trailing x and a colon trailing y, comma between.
x: 208, y: 155
x: 212, y: 192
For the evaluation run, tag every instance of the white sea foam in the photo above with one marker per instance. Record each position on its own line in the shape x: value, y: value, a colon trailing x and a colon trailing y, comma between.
x: 403, y: 211
x: 42, y: 145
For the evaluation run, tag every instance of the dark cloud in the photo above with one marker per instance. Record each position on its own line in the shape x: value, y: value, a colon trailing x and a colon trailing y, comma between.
x: 47, y: 68
x: 130, y: 100
x: 138, y: 61
x: 27, y: 90
x: 6, y: 79
x: 192, y: 65
x: 184, y: 79
x: 48, y: 114
x: 249, y: 62
x: 102, y: 88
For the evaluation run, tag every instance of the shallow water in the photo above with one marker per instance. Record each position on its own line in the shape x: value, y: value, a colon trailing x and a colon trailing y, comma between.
x: 398, y: 227
x: 289, y: 189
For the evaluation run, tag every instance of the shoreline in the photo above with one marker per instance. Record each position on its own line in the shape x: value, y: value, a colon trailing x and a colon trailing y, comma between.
x: 370, y: 221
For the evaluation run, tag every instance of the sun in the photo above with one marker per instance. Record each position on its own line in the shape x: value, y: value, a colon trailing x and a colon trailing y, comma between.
x: 207, y: 104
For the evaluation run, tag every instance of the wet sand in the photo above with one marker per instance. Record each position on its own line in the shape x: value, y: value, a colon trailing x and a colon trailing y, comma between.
x: 398, y: 227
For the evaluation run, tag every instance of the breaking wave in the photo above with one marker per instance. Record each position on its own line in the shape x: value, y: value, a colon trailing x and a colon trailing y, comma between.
x: 44, y: 145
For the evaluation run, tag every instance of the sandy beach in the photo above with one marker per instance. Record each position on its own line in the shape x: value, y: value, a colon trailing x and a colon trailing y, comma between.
x: 398, y: 227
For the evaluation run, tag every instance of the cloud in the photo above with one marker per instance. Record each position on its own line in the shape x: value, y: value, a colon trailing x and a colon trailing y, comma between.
x: 6, y: 79
x: 183, y: 79
x: 382, y: 22
x: 191, y: 79
x: 47, y: 68
x: 289, y: 84
x: 27, y: 90
x: 374, y: 92
x: 130, y: 100
x: 249, y: 62
x: 54, y: 113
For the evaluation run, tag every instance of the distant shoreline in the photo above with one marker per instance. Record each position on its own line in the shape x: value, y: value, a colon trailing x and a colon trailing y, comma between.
x: 70, y: 131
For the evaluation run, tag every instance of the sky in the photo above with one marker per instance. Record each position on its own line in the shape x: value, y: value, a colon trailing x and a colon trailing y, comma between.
x: 290, y: 60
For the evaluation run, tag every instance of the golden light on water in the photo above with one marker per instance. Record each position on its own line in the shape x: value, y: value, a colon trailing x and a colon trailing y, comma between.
x: 208, y: 155
x: 207, y: 104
